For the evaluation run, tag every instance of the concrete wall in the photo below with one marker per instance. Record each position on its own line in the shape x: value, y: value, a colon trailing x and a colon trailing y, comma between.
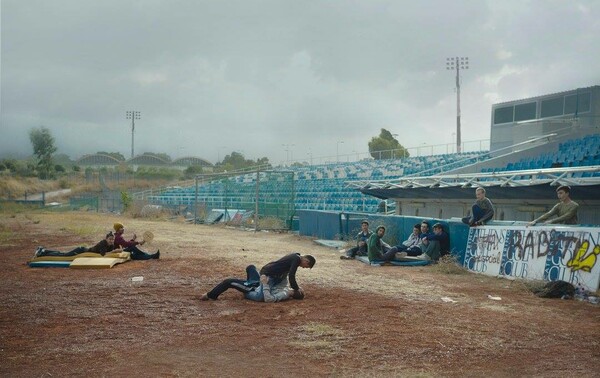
x: 345, y: 226
x: 507, y: 249
x: 536, y: 253
x: 522, y: 210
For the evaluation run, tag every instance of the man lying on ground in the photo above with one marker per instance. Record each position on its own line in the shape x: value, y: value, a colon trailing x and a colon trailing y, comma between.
x: 105, y: 245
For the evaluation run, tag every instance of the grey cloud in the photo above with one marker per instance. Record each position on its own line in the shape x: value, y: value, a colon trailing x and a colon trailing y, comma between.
x: 254, y: 75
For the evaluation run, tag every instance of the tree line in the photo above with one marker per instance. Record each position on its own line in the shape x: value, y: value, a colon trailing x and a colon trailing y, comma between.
x: 47, y: 165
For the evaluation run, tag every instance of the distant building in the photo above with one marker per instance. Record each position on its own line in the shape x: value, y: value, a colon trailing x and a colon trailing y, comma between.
x: 562, y: 113
x: 144, y: 160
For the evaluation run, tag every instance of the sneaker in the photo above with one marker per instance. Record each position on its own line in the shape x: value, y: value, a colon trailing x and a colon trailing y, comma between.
x: 204, y: 297
x: 156, y: 255
x: 400, y: 255
x: 39, y: 252
x: 423, y: 256
x: 344, y: 257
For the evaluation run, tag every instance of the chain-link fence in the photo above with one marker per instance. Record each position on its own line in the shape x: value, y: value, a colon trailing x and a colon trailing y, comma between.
x: 260, y: 199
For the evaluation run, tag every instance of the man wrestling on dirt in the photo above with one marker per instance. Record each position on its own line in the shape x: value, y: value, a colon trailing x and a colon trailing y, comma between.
x: 276, y: 274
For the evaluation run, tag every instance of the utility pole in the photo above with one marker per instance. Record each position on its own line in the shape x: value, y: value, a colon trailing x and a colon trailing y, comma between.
x: 337, y: 150
x: 458, y: 63
x: 132, y: 115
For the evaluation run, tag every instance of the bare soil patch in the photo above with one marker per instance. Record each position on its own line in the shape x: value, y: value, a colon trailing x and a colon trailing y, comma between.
x: 356, y: 320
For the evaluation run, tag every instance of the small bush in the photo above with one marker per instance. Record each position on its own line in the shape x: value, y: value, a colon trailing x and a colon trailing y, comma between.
x: 63, y: 183
x: 268, y: 223
x: 449, y: 265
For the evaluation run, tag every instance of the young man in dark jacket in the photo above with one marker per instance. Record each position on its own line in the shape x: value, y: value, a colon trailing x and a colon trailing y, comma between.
x: 435, y: 245
x: 361, y: 243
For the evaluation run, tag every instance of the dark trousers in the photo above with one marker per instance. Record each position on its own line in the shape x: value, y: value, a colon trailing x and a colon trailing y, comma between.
x: 352, y: 252
x: 387, y: 256
x: 433, y: 250
x: 73, y: 252
x: 138, y: 254
x: 476, y: 214
x: 412, y: 251
x: 251, y: 282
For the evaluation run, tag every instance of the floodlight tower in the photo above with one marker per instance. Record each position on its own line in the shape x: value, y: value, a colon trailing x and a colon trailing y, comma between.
x: 132, y: 115
x: 458, y: 63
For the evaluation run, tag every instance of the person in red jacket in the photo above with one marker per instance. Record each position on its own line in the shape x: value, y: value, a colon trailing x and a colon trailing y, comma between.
x: 131, y: 245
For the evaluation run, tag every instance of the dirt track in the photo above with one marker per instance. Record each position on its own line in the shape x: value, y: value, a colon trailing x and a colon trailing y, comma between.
x: 356, y: 320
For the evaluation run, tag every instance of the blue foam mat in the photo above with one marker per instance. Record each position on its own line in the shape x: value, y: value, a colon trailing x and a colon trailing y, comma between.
x: 365, y: 260
x: 49, y: 264
x: 331, y: 243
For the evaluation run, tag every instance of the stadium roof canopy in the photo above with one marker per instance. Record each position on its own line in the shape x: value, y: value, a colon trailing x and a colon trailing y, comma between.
x: 191, y: 160
x: 526, y: 184
x: 98, y: 159
x: 145, y: 159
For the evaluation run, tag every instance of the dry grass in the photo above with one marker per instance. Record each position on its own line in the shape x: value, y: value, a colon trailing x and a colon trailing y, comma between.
x: 321, y: 340
x: 448, y: 265
x: 13, y: 208
x: 11, y: 187
x: 271, y: 224
x: 527, y: 286
x: 5, y: 234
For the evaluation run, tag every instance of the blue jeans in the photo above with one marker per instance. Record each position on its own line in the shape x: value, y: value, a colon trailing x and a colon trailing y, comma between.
x: 276, y: 289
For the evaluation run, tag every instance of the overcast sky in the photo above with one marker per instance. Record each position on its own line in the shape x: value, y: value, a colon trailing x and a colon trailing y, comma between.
x: 278, y: 78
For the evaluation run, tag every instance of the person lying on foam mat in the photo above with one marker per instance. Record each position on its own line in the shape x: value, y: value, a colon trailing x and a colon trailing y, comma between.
x: 105, y: 245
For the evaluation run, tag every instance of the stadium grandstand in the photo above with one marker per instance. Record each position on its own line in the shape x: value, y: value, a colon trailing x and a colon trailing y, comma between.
x: 535, y: 144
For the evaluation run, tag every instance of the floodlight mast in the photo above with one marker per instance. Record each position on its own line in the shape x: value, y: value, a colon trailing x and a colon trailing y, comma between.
x: 458, y: 63
x: 132, y: 115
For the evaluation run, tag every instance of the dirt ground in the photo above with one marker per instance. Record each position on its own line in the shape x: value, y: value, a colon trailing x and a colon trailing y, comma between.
x: 356, y: 320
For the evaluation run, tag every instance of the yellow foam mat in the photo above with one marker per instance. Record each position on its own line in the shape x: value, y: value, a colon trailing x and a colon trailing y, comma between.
x: 118, y: 255
x: 95, y: 262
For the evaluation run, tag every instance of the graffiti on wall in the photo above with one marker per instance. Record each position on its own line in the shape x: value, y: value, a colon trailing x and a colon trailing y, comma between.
x: 548, y: 253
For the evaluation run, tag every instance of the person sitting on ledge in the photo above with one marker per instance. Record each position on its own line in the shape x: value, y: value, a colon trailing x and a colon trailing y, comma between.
x: 482, y: 210
x: 565, y: 211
